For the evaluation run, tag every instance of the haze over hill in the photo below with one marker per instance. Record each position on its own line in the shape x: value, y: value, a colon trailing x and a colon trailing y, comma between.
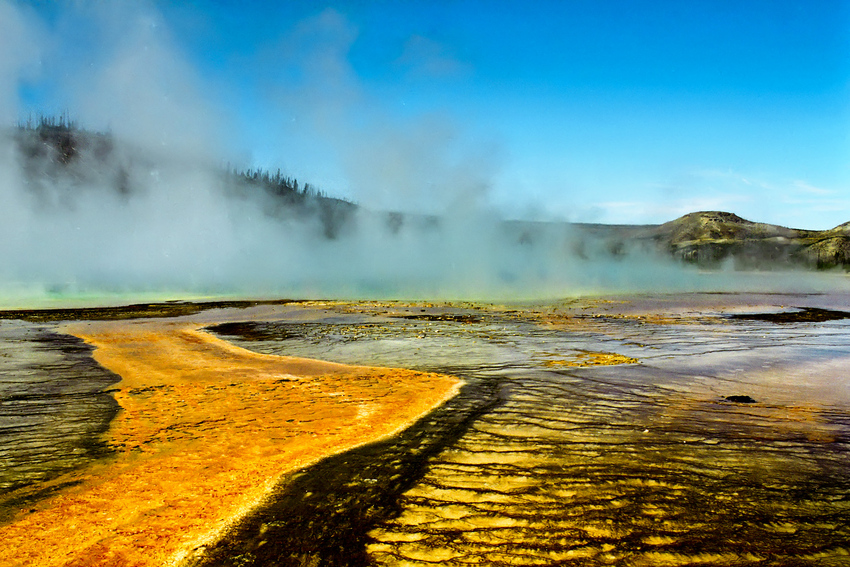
x: 715, y: 238
x: 88, y: 212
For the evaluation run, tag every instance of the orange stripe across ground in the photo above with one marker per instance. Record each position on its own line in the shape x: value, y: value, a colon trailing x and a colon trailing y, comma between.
x: 204, y: 432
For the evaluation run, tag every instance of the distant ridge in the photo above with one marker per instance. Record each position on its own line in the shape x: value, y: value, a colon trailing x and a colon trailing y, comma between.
x: 712, y: 238
x: 58, y: 159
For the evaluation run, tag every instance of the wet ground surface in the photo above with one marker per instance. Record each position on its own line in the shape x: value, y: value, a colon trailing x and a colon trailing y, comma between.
x: 663, y: 431
x: 135, y: 311
x: 801, y: 315
x: 54, y: 398
x: 54, y: 406
x: 718, y: 441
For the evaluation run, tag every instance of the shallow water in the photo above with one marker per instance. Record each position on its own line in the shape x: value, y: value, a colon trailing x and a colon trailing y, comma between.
x: 53, y: 408
x: 541, y: 462
x: 546, y: 457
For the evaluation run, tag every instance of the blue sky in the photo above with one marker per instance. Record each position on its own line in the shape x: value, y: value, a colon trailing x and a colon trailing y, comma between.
x: 595, y: 111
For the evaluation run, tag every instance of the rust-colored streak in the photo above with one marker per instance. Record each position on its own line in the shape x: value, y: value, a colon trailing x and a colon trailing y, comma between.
x: 206, y: 429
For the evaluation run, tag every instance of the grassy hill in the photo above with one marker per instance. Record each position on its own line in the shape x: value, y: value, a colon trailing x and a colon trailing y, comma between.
x: 713, y: 237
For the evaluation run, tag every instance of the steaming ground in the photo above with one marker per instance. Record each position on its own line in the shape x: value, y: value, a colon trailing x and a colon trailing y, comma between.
x: 117, y: 220
x: 144, y: 210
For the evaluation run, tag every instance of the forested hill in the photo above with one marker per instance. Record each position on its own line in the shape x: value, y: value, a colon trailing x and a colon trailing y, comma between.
x: 59, y: 159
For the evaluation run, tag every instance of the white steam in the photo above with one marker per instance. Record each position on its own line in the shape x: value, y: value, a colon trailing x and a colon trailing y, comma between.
x: 178, y: 228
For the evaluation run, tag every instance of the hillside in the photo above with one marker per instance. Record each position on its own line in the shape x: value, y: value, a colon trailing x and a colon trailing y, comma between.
x: 60, y: 161
x: 712, y: 237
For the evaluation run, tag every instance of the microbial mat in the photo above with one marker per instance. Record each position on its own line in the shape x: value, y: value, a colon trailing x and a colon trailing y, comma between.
x: 669, y: 430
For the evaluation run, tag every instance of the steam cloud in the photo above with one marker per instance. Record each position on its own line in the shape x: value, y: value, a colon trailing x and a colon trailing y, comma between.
x: 155, y: 214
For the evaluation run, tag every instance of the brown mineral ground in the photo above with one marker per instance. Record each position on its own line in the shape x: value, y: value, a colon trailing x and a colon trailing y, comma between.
x: 206, y: 429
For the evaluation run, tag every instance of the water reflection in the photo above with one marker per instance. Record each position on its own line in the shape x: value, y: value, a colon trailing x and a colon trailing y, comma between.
x: 53, y: 409
x: 646, y: 462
